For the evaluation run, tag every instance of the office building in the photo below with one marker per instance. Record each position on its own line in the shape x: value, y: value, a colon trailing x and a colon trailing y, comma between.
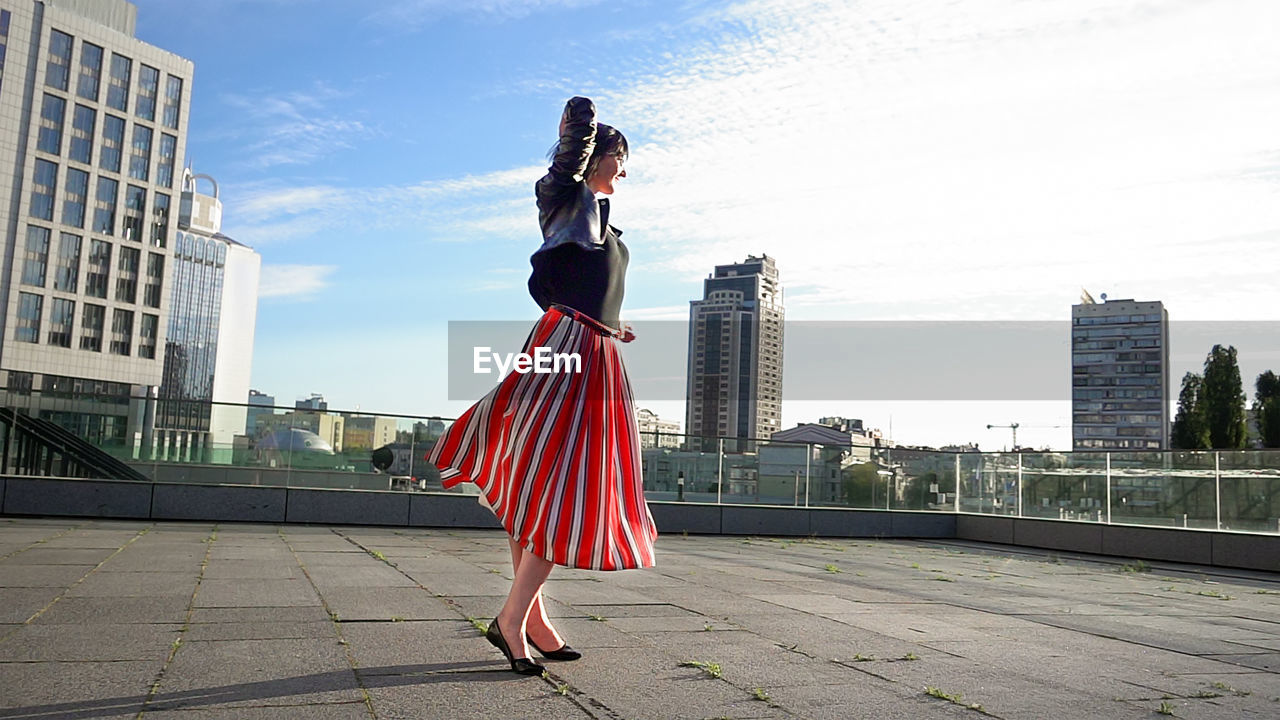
x: 734, y: 386
x: 93, y: 123
x: 1119, y: 375
x: 260, y: 403
x: 212, y: 316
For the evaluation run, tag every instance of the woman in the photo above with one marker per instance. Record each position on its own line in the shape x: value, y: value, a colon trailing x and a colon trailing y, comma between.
x: 557, y: 456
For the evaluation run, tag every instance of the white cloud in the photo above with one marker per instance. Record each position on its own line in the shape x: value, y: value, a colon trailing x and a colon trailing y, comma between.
x: 293, y: 128
x: 975, y: 157
x: 293, y: 281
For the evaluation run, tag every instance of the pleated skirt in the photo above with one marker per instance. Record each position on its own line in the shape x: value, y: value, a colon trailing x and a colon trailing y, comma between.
x: 556, y: 455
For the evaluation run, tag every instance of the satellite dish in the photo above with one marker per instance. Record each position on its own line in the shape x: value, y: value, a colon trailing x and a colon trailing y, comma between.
x: 382, y: 458
x: 1104, y: 297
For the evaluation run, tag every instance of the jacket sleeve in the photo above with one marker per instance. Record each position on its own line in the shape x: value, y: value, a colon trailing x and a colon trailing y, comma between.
x: 577, y: 141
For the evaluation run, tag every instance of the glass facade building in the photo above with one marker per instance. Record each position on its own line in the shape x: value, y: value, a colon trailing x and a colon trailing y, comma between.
x: 209, y: 340
x: 80, y: 101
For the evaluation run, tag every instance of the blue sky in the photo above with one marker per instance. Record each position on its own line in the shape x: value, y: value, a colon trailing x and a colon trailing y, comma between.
x: 977, y: 160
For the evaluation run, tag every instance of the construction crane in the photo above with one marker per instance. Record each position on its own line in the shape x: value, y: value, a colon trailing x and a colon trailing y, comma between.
x: 1014, y: 427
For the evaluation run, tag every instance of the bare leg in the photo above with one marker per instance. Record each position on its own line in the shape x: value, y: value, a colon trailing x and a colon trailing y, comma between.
x: 530, y: 575
x: 538, y: 625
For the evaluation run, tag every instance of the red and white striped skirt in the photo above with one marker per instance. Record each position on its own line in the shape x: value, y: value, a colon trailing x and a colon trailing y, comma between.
x: 557, y: 455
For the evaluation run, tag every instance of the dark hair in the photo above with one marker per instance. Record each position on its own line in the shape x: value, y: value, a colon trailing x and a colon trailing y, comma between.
x: 609, y: 141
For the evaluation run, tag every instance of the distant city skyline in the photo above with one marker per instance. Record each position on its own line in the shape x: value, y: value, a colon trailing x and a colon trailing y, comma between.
x: 981, y: 160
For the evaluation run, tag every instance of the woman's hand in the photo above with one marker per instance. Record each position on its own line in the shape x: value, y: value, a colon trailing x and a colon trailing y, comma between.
x: 627, y: 335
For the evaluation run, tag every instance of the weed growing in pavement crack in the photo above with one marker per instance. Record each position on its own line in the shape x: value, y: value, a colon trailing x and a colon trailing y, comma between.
x: 761, y: 695
x: 597, y: 618
x: 833, y: 569
x: 1233, y: 691
x: 710, y: 668
x: 1165, y: 709
x: 562, y: 689
x: 481, y: 627
x: 956, y: 698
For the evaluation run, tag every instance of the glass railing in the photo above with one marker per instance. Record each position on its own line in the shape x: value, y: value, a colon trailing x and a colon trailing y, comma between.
x: 312, y: 448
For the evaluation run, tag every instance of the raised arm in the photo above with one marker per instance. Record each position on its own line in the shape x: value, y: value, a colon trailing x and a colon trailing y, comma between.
x: 577, y: 140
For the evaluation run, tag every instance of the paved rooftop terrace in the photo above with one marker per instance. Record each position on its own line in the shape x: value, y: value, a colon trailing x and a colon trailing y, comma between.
x: 188, y: 621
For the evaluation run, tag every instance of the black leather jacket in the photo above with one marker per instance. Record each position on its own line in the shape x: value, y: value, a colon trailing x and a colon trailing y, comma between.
x: 568, y: 211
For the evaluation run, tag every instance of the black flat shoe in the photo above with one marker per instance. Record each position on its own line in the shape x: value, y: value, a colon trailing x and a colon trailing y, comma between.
x: 521, y: 666
x: 564, y: 653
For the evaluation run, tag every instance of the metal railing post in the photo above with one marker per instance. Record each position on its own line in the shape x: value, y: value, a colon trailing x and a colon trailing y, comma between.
x: 720, y: 473
x: 1108, y: 488
x: 1019, y: 506
x: 808, y: 455
x: 956, y: 499
x: 1217, y: 488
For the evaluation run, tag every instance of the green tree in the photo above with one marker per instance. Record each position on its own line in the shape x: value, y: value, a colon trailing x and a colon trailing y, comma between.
x: 1189, y: 429
x: 1223, y: 399
x: 1266, y: 408
x: 859, y: 483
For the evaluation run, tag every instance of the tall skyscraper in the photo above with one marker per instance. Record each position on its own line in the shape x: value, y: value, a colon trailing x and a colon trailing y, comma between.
x: 93, y: 123
x: 213, y: 313
x: 735, y: 353
x: 1119, y: 375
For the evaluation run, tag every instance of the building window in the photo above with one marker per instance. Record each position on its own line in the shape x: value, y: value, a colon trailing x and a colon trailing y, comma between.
x: 112, y: 143
x: 172, y: 101
x: 49, y: 139
x: 164, y: 165
x: 20, y: 383
x: 118, y: 83
x: 61, y: 314
x: 135, y: 205
x: 43, y: 188
x: 147, y: 336
x: 148, y: 89
x: 90, y: 71
x: 66, y: 273
x: 74, y: 196
x: 127, y: 275
x: 82, y: 122
x: 58, y: 69
x: 160, y: 224
x: 36, y: 258
x: 155, y: 278
x: 140, y: 160
x: 99, y: 266
x: 28, y: 317
x: 91, y: 327
x: 121, y: 332
x: 29, y: 308
x: 104, y: 210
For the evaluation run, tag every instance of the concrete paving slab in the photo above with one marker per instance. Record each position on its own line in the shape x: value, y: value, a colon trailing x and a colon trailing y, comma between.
x: 248, y: 673
x: 231, y: 592
x: 19, y: 604
x: 312, y: 613
x: 75, y: 689
x: 93, y: 611
x: 368, y: 576
x: 61, y: 556
x: 139, y: 584
x: 387, y: 604
x: 32, y: 576
x: 106, y: 643
x: 259, y: 630
x: 283, y: 569
x: 469, y: 696
x: 355, y: 710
